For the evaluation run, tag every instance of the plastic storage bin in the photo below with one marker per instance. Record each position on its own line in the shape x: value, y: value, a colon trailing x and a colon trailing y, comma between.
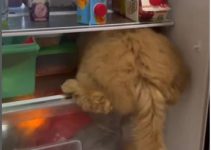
x: 55, y: 65
x: 19, y: 60
x: 57, y: 59
x: 50, y: 85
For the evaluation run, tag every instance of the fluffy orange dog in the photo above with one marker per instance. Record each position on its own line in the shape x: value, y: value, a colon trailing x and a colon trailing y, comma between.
x: 136, y: 73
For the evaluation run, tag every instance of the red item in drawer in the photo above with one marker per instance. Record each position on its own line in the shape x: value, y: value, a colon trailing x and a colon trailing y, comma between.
x: 60, y: 128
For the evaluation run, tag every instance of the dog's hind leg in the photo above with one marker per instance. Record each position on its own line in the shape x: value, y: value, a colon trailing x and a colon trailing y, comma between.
x: 89, y: 100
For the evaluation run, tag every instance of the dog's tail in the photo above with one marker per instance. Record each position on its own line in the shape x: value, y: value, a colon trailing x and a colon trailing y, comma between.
x: 149, y: 123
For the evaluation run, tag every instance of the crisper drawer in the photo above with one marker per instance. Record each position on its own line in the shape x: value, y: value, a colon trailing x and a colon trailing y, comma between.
x: 47, y: 125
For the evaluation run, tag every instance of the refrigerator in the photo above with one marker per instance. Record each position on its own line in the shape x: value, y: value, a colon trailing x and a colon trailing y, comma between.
x: 188, y: 28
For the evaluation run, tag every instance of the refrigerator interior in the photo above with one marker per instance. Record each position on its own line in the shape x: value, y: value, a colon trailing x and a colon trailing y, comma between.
x: 186, y: 121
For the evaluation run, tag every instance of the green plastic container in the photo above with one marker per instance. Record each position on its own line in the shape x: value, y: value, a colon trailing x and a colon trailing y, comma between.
x: 18, y: 65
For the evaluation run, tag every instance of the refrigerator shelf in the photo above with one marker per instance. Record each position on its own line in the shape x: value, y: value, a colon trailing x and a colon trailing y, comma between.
x: 30, y: 104
x: 65, y: 22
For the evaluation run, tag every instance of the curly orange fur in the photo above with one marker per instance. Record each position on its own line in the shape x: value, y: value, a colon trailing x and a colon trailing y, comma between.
x: 131, y: 72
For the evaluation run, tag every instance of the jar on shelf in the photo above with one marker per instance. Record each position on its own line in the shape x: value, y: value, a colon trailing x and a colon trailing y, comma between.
x: 39, y: 10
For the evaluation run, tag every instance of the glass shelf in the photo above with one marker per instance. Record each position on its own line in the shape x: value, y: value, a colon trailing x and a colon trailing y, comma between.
x: 65, y: 22
x: 35, y: 103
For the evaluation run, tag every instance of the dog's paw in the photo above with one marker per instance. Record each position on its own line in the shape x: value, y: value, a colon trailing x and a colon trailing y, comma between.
x: 96, y: 103
x: 91, y: 102
x: 70, y: 86
x: 100, y: 103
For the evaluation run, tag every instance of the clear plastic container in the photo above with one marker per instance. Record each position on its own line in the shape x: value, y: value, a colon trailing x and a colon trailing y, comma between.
x: 52, y: 127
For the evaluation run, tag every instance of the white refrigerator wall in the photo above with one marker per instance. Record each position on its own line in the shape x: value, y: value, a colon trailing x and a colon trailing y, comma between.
x: 186, y: 121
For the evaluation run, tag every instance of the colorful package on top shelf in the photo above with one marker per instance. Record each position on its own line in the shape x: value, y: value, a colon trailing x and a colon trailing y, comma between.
x: 157, y: 10
x: 143, y: 10
x: 91, y: 12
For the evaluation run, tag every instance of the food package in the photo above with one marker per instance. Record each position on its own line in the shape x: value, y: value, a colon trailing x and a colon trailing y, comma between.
x: 142, y: 10
x: 39, y: 10
x: 92, y: 12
